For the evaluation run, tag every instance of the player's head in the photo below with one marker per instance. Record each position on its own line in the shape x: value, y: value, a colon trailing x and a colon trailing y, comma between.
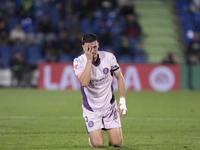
x: 89, y: 38
x: 91, y: 41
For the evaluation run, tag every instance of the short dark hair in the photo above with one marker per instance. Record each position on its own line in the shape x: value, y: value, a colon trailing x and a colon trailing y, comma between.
x: 89, y: 38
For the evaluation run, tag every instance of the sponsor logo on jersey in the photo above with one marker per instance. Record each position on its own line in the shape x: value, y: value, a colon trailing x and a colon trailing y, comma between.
x: 76, y: 66
x: 99, y: 81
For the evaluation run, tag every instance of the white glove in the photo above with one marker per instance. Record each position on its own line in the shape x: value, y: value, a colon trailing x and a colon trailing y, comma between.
x: 123, y: 105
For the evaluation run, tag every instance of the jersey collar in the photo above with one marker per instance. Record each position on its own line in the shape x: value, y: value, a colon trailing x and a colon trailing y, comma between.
x: 97, y: 63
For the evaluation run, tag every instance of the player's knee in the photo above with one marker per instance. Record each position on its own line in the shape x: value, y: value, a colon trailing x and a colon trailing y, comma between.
x: 97, y: 144
x: 117, y: 143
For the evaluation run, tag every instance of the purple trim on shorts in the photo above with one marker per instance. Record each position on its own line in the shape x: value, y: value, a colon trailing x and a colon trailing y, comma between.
x: 113, y: 96
x: 86, y: 128
x: 85, y: 100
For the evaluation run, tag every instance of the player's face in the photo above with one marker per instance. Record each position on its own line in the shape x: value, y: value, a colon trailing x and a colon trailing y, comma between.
x: 94, y: 45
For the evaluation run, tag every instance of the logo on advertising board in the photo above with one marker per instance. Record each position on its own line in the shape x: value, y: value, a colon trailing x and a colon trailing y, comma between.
x: 162, y: 78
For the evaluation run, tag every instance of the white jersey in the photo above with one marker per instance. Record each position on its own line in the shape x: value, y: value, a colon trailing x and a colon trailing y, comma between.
x: 98, y: 95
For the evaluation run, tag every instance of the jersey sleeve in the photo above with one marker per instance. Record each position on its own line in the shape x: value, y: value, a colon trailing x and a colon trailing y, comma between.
x: 114, y: 64
x: 78, y: 66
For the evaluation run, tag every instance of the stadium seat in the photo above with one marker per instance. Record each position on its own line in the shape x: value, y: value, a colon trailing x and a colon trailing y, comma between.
x: 5, y: 53
x: 39, y: 9
x: 18, y: 3
x: 20, y: 48
x: 132, y: 43
x: 197, y: 20
x: 65, y: 58
x: 125, y: 59
x: 34, y: 54
x: 12, y: 21
x: 54, y: 15
x: 86, y: 26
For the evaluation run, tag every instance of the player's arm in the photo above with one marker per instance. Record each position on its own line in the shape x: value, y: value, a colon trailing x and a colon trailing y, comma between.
x: 121, y: 88
x: 84, y: 77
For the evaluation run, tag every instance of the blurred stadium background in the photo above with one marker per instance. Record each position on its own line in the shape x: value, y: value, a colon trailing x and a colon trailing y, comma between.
x: 159, y: 32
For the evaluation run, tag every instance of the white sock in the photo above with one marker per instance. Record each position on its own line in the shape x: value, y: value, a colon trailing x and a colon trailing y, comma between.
x: 90, y: 142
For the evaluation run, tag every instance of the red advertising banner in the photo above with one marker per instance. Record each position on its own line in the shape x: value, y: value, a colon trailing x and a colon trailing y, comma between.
x: 137, y: 77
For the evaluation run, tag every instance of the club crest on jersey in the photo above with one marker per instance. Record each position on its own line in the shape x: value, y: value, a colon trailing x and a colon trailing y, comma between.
x: 105, y: 70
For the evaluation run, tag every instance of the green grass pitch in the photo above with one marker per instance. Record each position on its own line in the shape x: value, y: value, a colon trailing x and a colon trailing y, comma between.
x: 39, y: 119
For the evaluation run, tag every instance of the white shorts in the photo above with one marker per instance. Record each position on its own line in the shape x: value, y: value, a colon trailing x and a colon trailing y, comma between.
x: 103, y: 119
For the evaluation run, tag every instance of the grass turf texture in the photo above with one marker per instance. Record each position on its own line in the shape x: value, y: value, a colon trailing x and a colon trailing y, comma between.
x: 38, y: 119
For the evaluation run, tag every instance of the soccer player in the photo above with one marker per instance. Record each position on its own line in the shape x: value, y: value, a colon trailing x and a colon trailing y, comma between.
x: 95, y: 70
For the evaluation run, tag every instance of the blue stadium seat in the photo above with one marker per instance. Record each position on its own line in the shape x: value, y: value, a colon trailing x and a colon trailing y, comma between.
x: 18, y: 3
x: 27, y: 25
x: 6, y: 55
x: 132, y: 43
x: 76, y: 1
x: 125, y: 59
x: 197, y: 20
x: 39, y: 9
x: 65, y: 58
x: 140, y: 57
x: 20, y: 48
x: 12, y: 21
x: 34, y: 54
x: 86, y: 26
x: 54, y: 15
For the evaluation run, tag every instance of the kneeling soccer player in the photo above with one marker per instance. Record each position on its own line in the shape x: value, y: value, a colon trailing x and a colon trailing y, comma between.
x: 95, y: 70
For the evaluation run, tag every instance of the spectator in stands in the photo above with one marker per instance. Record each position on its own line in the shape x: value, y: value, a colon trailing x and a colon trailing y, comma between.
x: 117, y: 28
x: 21, y: 70
x: 26, y: 9
x: 74, y: 25
x: 17, y: 35
x: 109, y: 3
x: 4, y: 38
x: 124, y: 45
x: 3, y: 27
x: 193, y: 50
x: 127, y: 9
x: 195, y: 5
x: 169, y: 59
x: 132, y: 27
x: 4, y: 34
x: 49, y: 52
x: 106, y: 6
x: 121, y: 3
x: 60, y: 27
x: 67, y: 9
x: 193, y: 60
x: 51, y: 58
x: 85, y: 6
x: 140, y: 53
x: 194, y: 45
x: 45, y: 25
x: 76, y: 46
x: 64, y: 45
x: 104, y: 34
x: 9, y: 6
